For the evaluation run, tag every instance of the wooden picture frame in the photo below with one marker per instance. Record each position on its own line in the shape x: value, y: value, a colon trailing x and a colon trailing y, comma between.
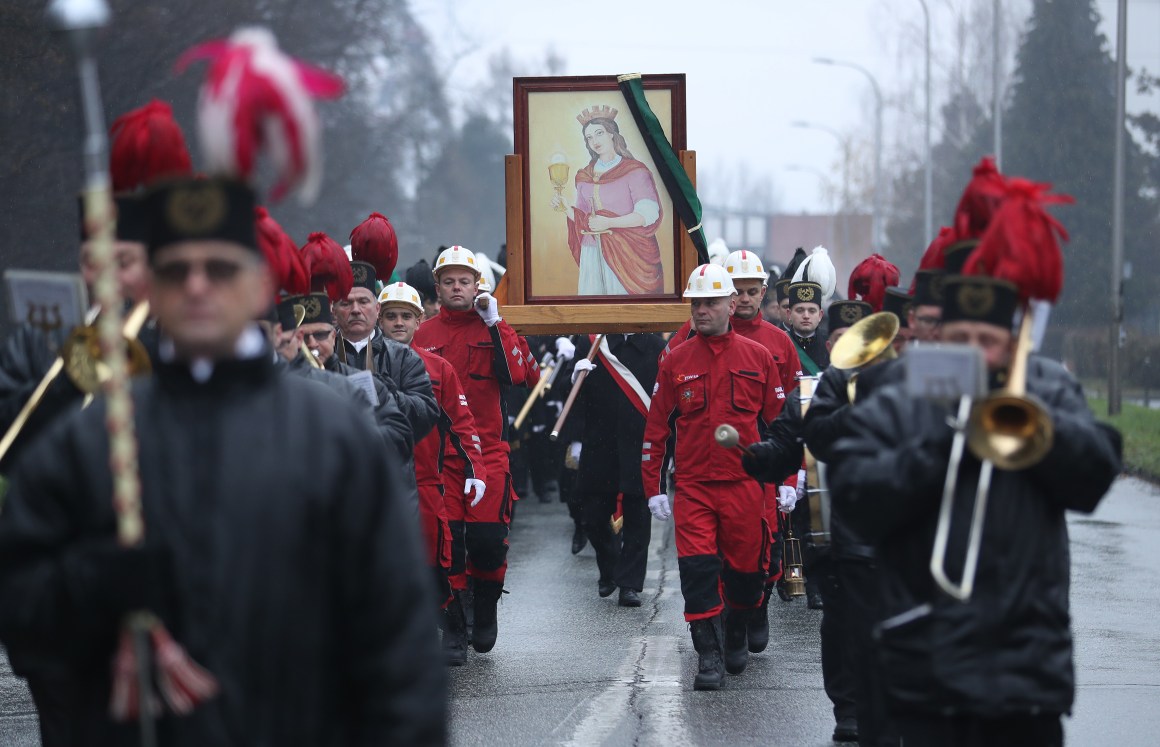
x: 570, y: 134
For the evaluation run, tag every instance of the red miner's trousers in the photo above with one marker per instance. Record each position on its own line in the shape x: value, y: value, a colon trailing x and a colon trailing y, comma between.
x: 437, y: 537
x: 722, y: 543
x: 479, y: 535
x: 772, y: 520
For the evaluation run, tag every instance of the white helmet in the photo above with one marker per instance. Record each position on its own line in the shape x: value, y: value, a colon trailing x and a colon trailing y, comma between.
x: 484, y: 286
x: 745, y: 265
x: 456, y: 256
x: 709, y: 281
x: 401, y: 293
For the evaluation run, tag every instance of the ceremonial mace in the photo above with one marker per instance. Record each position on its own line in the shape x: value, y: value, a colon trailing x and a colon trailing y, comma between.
x: 181, y: 679
x: 555, y: 434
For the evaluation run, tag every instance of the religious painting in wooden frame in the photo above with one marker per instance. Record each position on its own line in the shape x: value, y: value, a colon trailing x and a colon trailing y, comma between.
x: 594, y: 244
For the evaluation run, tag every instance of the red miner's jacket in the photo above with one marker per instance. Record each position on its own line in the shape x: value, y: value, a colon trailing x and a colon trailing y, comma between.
x: 486, y: 359
x: 704, y: 383
x: 455, y: 427
x: 770, y: 337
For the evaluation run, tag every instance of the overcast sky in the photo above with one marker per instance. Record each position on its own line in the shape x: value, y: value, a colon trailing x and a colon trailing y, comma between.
x: 748, y: 64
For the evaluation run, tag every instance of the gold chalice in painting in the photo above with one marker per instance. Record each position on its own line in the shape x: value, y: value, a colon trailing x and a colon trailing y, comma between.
x: 558, y: 173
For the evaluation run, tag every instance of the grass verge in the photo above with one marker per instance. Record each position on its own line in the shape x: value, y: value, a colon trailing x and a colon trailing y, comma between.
x: 1141, y: 429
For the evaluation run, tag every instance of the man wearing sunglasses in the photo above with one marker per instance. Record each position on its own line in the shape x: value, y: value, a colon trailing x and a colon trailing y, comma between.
x: 277, y: 553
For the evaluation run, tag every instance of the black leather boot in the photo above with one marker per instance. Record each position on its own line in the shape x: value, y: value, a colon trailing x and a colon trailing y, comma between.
x: 758, y: 632
x: 736, y: 649
x: 454, y: 634
x: 579, y: 538
x: 487, y: 594
x: 707, y: 641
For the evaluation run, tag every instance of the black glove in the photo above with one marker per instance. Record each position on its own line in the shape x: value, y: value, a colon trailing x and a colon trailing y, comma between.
x: 106, y: 580
x: 756, y: 462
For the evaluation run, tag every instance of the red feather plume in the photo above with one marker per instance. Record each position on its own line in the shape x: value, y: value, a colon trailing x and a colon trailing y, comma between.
x: 870, y: 279
x: 255, y: 98
x: 979, y: 201
x: 1021, y: 244
x: 282, y: 255
x: 147, y: 145
x: 328, y: 266
x: 932, y: 258
x: 374, y: 241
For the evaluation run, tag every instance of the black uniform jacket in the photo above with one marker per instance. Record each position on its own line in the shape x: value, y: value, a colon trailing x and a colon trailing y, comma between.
x: 293, y: 574
x: 1007, y: 650
x: 612, y: 428
x: 402, y: 370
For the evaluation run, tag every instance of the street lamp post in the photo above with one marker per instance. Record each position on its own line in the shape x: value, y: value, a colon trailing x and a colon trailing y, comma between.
x: 928, y: 177
x: 844, y: 144
x: 877, y: 229
x: 1114, y: 393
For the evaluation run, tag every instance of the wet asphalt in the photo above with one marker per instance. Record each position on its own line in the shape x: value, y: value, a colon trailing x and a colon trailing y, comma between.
x: 572, y: 668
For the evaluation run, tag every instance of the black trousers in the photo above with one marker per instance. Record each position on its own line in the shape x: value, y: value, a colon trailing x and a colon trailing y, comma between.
x: 1044, y: 730
x: 621, y: 559
x: 56, y: 700
x: 858, y: 584
x: 837, y: 668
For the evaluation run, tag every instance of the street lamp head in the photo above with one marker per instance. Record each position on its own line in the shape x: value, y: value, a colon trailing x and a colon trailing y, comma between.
x: 800, y: 123
x: 824, y: 61
x: 78, y: 15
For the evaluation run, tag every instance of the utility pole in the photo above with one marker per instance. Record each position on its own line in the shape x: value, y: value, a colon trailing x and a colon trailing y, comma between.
x: 1114, y: 394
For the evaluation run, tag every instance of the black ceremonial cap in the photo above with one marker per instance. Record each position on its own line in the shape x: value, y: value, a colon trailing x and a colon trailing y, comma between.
x: 130, y: 224
x: 899, y: 303
x: 977, y: 298
x: 364, y: 275
x: 846, y: 313
x: 316, y: 306
x: 200, y: 210
x: 419, y: 277
x: 928, y: 285
x: 781, y: 289
x: 955, y: 256
x: 804, y: 292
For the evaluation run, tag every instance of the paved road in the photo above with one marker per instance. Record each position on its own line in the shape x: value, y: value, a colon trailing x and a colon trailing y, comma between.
x: 571, y: 668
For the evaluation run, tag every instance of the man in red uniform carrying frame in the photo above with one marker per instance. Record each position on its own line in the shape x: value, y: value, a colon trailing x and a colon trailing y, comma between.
x: 716, y: 378
x: 453, y: 445
x: 470, y: 335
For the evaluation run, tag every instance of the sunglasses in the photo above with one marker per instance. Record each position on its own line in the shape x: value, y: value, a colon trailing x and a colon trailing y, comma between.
x: 318, y: 336
x: 216, y: 271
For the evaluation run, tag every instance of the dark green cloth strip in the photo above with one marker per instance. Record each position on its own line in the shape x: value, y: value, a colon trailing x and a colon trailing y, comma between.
x: 808, y: 364
x: 677, y: 183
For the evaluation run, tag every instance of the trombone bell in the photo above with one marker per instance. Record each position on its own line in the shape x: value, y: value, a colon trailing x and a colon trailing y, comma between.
x: 867, y: 342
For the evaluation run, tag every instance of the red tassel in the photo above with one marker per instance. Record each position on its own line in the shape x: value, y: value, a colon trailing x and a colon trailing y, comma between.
x: 979, y: 201
x: 1021, y: 244
x: 374, y: 241
x: 125, y: 698
x: 282, y: 255
x: 147, y: 145
x: 184, y: 684
x: 328, y: 266
x: 870, y: 279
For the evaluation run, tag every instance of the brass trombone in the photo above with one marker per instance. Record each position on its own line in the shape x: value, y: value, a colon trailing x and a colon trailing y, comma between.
x: 80, y: 360
x: 1009, y: 429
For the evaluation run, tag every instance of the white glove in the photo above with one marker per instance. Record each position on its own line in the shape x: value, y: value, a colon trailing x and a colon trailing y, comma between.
x: 572, y: 458
x: 659, y: 505
x: 565, y: 350
x: 478, y: 486
x: 487, y: 308
x: 801, y: 484
x: 787, y: 498
x: 582, y: 365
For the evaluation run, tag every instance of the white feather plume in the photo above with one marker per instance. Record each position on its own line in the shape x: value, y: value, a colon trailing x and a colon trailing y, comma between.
x: 819, y: 268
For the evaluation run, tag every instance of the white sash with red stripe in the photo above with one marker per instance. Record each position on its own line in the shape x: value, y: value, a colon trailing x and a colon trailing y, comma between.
x: 624, y: 377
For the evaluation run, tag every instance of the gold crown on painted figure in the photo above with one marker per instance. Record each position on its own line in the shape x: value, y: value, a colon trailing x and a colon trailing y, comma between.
x: 596, y: 112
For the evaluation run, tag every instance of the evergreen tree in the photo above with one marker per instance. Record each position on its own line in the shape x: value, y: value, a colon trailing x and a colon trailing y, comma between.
x: 1059, y: 128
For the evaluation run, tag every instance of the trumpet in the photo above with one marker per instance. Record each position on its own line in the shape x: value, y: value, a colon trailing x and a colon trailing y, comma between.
x: 1009, y: 429
x: 867, y: 343
x: 80, y: 359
